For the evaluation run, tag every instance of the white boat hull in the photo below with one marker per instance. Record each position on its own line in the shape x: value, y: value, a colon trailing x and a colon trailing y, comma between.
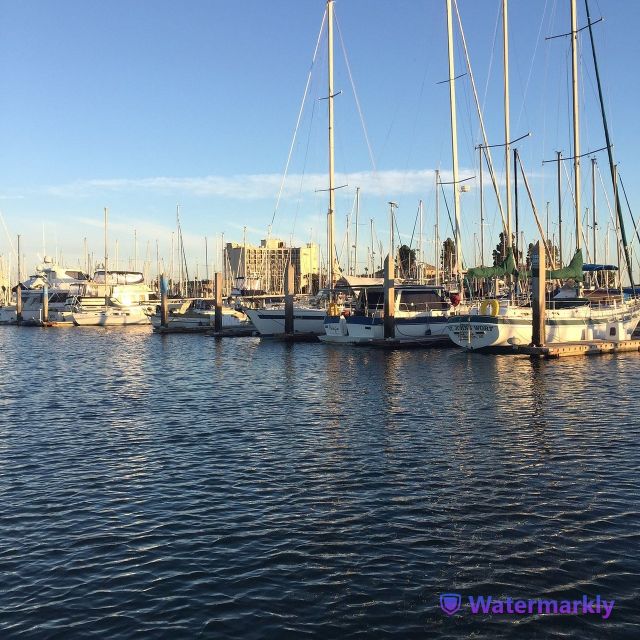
x: 475, y: 332
x: 364, y: 329
x: 112, y: 317
x: 195, y: 321
x: 270, y: 322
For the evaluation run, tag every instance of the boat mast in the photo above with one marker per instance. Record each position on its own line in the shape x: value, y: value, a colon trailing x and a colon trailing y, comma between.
x: 437, y: 238
x: 481, y: 210
x: 355, y: 245
x: 420, y: 262
x: 330, y: 221
x: 576, y: 122
x: 106, y: 255
x: 507, y: 126
x: 454, y: 146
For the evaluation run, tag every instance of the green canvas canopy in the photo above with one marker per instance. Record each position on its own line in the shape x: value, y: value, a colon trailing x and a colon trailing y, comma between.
x: 506, y: 267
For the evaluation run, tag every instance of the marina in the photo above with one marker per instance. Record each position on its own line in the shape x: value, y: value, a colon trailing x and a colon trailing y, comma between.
x: 293, y: 322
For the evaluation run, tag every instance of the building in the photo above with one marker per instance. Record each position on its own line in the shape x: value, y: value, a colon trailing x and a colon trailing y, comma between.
x: 261, y: 269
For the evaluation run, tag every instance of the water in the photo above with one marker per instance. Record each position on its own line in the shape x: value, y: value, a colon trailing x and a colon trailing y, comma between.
x: 182, y: 487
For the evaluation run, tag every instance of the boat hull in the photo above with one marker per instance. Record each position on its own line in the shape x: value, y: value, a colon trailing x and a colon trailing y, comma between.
x: 365, y: 329
x: 481, y: 332
x: 133, y: 316
x: 270, y: 322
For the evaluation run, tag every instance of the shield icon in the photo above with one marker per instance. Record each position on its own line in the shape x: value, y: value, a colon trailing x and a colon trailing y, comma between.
x: 450, y: 602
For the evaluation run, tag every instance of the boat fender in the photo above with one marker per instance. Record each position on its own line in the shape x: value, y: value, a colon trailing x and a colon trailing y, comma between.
x: 489, y: 308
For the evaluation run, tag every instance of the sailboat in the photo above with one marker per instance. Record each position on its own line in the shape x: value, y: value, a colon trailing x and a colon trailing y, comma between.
x: 306, y: 319
x: 500, y: 323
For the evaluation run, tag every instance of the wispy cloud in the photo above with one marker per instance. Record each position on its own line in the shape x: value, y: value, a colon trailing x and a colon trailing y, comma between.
x: 260, y: 186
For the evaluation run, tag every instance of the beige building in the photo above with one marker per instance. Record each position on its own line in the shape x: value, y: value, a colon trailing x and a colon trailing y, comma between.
x: 261, y: 269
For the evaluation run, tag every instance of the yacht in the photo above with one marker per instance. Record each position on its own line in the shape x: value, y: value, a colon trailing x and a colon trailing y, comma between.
x: 118, y: 299
x: 59, y: 282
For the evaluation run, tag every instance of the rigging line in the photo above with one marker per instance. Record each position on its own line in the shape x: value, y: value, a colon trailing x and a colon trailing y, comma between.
x: 535, y: 52
x: 606, y: 196
x: 624, y: 191
x: 295, y: 132
x: 446, y: 204
x: 355, y: 95
x: 480, y: 117
x: 415, y: 222
x: 6, y: 230
x: 493, y: 51
x: 304, y: 168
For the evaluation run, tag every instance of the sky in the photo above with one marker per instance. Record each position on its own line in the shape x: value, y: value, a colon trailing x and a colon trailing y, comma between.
x: 142, y: 106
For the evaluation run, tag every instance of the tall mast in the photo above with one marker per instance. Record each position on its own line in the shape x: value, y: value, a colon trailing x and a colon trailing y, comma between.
x: 559, y: 156
x: 355, y: 245
x: 454, y: 144
x: 437, y: 238
x: 507, y: 127
x: 330, y: 221
x: 481, y: 210
x: 106, y: 255
x: 576, y: 122
x: 420, y: 263
x: 593, y: 209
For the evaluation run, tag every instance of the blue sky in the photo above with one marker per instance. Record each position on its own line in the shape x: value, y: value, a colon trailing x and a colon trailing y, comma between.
x: 138, y: 106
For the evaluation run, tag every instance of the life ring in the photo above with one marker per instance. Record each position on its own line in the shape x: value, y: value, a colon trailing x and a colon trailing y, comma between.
x: 489, y: 308
x: 333, y: 310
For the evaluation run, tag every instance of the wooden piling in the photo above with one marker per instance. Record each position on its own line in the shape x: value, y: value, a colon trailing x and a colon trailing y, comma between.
x: 19, y: 304
x: 45, y: 304
x: 217, y: 321
x: 164, y: 302
x: 288, y: 300
x: 538, y: 297
x: 389, y: 298
x: 19, y: 290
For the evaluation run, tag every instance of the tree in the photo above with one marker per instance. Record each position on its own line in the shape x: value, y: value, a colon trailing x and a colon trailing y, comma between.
x: 500, y: 252
x: 448, y: 255
x: 407, y: 257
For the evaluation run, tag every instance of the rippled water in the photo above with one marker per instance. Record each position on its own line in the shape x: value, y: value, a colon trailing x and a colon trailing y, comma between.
x: 181, y: 487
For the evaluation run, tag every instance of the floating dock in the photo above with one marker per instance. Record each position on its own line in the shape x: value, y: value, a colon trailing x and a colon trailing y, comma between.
x: 234, y: 332
x: 409, y: 343
x: 583, y: 348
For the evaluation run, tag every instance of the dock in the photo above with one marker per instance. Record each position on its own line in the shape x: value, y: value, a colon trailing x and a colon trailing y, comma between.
x: 409, y: 343
x: 582, y: 348
x: 295, y: 337
x: 169, y: 329
x: 234, y: 332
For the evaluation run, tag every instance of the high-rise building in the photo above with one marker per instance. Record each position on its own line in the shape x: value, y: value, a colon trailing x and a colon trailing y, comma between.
x: 261, y: 269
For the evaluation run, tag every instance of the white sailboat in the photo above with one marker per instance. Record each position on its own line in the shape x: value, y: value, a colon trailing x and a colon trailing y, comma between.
x: 308, y: 320
x: 502, y: 323
x: 198, y: 314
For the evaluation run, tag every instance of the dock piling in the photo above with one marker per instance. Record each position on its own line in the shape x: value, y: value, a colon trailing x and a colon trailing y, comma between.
x: 389, y: 298
x: 288, y: 300
x: 164, y: 302
x: 217, y: 321
x: 45, y: 304
x: 538, y: 289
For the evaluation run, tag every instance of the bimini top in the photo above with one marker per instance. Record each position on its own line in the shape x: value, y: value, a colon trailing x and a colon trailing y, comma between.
x: 599, y: 267
x: 119, y: 277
